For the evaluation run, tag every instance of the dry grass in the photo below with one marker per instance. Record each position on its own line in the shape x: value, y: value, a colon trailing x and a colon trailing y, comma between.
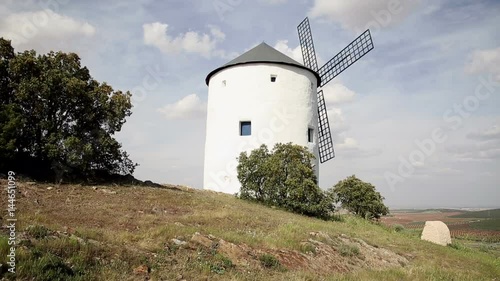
x: 135, y: 227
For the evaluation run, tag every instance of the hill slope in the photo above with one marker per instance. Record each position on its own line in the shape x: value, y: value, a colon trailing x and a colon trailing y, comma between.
x: 135, y: 233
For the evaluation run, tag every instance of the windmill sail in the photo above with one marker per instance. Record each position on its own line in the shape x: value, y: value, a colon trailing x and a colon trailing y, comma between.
x: 325, y: 144
x: 345, y: 58
x: 340, y: 62
x: 307, y: 45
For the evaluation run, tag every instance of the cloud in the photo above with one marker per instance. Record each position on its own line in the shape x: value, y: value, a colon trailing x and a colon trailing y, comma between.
x: 484, y: 61
x: 39, y: 29
x: 492, y: 133
x: 481, y: 146
x: 294, y: 53
x: 273, y: 2
x: 156, y: 35
x: 337, y: 94
x: 189, y: 107
x: 358, y: 15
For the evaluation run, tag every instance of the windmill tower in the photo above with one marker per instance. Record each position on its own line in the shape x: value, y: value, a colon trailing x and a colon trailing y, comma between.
x: 265, y: 97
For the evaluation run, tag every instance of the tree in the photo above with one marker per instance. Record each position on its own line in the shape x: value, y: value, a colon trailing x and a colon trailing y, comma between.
x: 285, y: 178
x: 56, y: 120
x: 360, y: 198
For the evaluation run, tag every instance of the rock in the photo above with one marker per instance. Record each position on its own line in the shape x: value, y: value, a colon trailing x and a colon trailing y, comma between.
x: 30, y: 183
x: 436, y: 232
x: 50, y: 188
x: 141, y: 269
x: 201, y: 240
x: 108, y: 191
x: 94, y: 187
x: 178, y: 242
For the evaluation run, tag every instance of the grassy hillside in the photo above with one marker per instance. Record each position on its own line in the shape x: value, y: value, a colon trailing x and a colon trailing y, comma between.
x: 486, y: 214
x: 134, y: 233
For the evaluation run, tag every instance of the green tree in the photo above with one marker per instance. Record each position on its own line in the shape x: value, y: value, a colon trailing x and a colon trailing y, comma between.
x: 285, y: 178
x: 56, y: 120
x: 360, y: 198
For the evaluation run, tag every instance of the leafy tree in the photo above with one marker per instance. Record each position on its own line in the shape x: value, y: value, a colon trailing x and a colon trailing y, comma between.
x: 360, y: 198
x: 283, y: 177
x: 56, y: 120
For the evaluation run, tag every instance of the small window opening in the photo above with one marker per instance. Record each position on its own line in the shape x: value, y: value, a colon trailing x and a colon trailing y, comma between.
x: 245, y: 128
x: 273, y: 78
x: 223, y: 83
x: 310, y: 135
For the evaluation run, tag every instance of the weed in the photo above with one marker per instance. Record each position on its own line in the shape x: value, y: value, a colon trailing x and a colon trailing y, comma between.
x: 307, y: 248
x: 457, y: 246
x: 346, y: 250
x: 37, y: 231
x: 269, y: 261
x: 398, y: 227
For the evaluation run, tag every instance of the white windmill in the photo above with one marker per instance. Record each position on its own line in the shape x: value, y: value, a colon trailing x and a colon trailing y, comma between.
x: 265, y: 97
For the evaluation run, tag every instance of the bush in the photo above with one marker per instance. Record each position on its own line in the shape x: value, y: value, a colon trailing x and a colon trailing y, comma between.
x: 398, y: 227
x: 349, y: 250
x: 37, y: 231
x: 360, y: 198
x: 269, y: 261
x: 283, y: 177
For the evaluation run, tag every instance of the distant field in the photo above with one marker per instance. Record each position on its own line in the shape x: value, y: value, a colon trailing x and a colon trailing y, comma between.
x: 417, y: 211
x: 487, y: 214
x: 489, y: 224
x: 479, y: 226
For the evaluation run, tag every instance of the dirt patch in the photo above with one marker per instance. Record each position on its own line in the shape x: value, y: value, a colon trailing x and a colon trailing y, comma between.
x: 326, y: 254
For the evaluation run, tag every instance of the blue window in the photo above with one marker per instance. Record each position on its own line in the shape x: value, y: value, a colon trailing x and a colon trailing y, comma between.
x: 310, y: 135
x: 245, y: 128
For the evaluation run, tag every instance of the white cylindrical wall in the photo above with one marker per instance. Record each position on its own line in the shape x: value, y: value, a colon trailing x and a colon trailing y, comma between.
x: 279, y: 112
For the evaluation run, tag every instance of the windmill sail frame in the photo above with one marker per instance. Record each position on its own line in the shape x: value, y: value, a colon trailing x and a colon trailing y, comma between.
x: 340, y: 62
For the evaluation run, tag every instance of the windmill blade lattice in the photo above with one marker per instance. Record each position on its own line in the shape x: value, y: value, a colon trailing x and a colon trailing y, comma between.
x: 325, y: 144
x: 340, y: 62
x: 345, y: 58
x: 307, y: 45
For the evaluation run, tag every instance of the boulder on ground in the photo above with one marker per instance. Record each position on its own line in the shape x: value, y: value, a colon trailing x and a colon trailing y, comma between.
x: 436, y: 232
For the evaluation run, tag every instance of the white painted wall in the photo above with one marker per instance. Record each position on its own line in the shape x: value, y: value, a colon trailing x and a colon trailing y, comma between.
x: 280, y: 112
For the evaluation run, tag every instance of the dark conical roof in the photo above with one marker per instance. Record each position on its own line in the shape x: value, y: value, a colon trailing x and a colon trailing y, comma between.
x: 262, y: 53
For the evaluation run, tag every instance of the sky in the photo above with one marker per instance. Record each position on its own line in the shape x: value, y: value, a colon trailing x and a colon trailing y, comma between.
x: 418, y: 117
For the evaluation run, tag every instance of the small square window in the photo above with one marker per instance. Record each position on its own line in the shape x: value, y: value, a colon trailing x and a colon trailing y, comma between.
x: 310, y: 135
x: 273, y: 78
x: 245, y: 128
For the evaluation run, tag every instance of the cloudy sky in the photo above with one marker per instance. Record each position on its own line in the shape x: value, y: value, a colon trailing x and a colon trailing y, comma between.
x: 418, y: 116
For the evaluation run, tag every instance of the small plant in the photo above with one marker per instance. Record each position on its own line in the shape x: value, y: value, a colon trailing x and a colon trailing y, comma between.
x: 269, y: 261
x: 349, y: 250
x: 457, y: 246
x: 37, y: 231
x: 221, y: 264
x: 398, y: 227
x: 307, y: 248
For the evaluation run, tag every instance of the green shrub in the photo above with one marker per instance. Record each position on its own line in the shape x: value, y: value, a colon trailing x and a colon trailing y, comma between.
x: 359, y: 198
x: 269, y: 261
x: 221, y: 264
x: 349, y: 250
x: 398, y: 227
x: 285, y: 178
x: 457, y: 246
x: 37, y: 231
x: 307, y: 248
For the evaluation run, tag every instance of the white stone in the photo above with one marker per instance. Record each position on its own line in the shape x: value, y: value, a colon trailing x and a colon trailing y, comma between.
x: 436, y: 232
x: 280, y: 112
